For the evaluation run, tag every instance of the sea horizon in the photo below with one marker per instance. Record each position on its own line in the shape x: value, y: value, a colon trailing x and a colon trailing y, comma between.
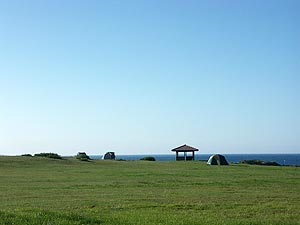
x: 292, y: 159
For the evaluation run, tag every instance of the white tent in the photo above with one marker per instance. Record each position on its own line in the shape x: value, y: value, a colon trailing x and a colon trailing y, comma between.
x: 217, y: 160
x: 109, y: 155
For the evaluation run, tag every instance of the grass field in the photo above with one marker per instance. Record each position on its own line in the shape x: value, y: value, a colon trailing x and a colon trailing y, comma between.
x: 49, y: 191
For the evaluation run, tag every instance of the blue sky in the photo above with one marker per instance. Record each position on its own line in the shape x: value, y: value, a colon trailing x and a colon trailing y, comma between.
x: 143, y: 77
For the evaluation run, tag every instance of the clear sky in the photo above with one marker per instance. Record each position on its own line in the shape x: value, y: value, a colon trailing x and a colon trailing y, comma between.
x: 143, y: 77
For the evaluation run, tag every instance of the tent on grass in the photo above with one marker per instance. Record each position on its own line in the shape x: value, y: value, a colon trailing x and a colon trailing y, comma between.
x: 217, y: 160
x: 109, y: 155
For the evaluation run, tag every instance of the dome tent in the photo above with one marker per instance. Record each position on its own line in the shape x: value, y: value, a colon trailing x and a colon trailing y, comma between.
x: 217, y: 159
x: 109, y: 155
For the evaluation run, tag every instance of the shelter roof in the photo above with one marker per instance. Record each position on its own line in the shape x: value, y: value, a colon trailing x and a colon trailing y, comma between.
x: 184, y: 148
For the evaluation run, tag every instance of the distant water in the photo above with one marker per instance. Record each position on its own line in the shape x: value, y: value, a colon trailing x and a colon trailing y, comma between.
x: 283, y: 159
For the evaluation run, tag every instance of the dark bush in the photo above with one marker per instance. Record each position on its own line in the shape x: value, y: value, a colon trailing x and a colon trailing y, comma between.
x: 48, y: 155
x: 29, y: 155
x: 252, y: 162
x: 271, y: 164
x: 82, y: 156
x: 148, y: 158
x: 259, y: 162
x: 84, y: 159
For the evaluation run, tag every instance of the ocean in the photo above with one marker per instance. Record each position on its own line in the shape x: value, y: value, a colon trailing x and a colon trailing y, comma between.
x: 282, y: 159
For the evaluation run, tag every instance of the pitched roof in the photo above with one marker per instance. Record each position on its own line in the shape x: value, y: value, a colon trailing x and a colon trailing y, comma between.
x: 184, y: 148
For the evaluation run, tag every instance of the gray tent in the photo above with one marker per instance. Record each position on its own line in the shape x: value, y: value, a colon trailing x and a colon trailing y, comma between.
x: 109, y: 155
x: 217, y: 160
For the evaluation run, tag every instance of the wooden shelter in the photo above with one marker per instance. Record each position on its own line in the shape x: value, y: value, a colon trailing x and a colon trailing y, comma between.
x: 185, y: 152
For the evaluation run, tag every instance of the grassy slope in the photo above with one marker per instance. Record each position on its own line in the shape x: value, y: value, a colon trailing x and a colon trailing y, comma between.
x: 48, y: 191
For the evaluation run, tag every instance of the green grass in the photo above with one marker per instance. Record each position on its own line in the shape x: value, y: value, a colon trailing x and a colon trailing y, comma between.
x: 48, y: 191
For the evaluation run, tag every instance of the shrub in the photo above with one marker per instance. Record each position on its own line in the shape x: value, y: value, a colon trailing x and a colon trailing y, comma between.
x: 259, y: 162
x: 48, y: 155
x: 252, y: 162
x: 82, y: 156
x: 29, y: 155
x: 271, y: 164
x: 84, y: 159
x: 148, y: 158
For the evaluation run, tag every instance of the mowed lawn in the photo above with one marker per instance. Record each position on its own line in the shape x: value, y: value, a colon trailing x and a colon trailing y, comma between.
x: 48, y: 191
